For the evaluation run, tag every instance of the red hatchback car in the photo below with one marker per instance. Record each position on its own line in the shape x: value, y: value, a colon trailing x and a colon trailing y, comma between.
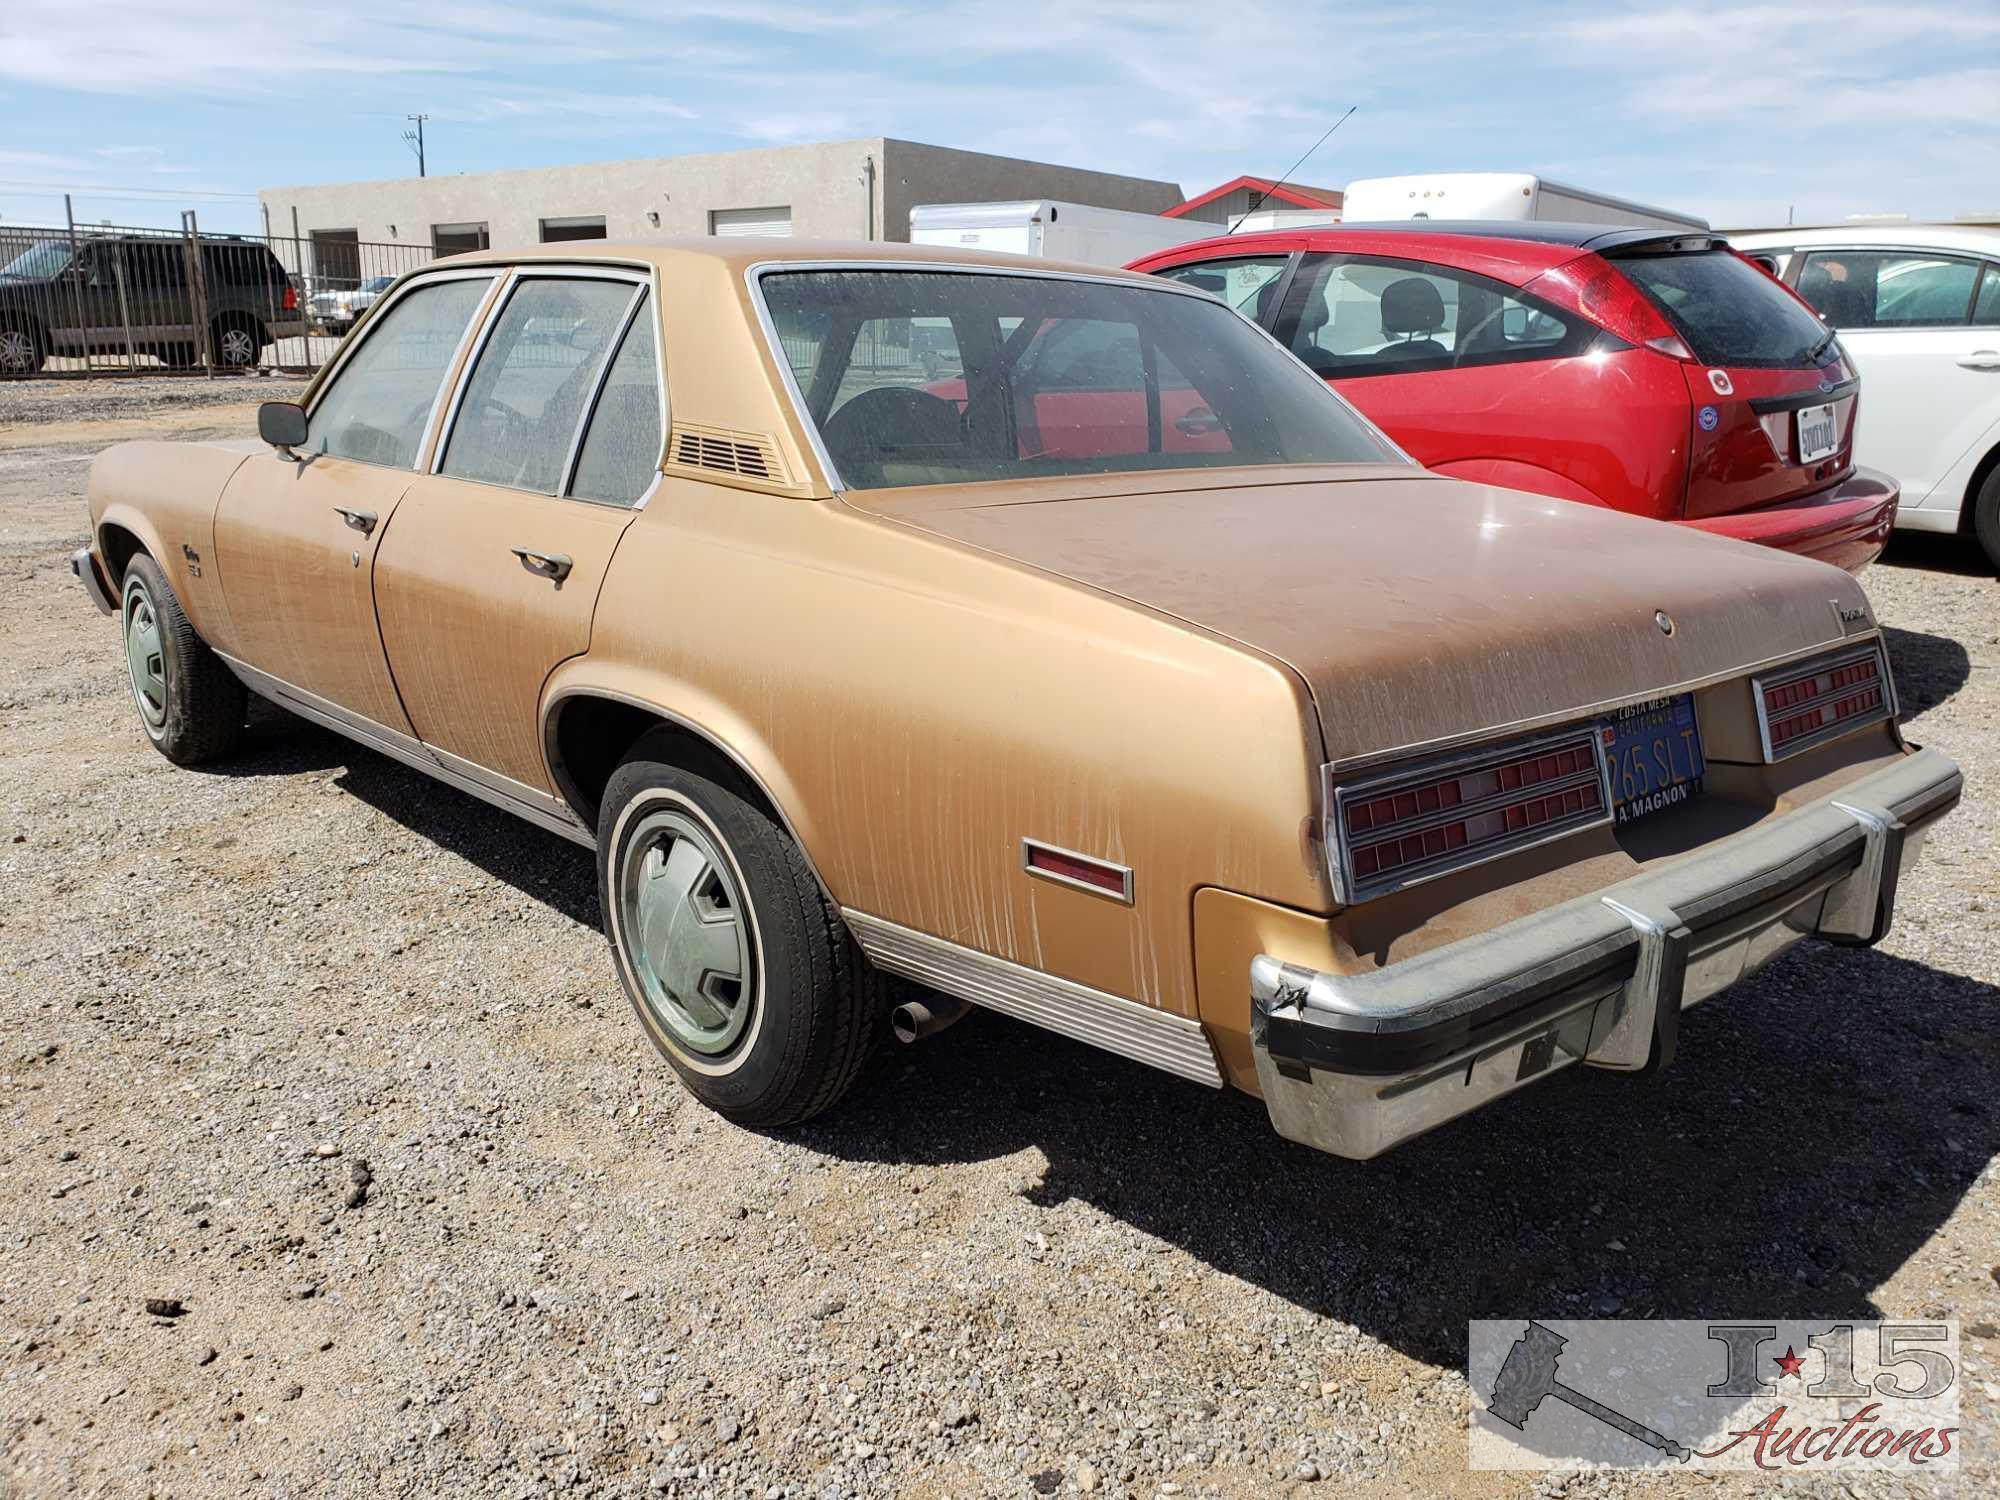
x: 1648, y: 371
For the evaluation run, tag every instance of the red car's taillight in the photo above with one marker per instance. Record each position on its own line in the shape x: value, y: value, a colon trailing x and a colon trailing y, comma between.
x: 1594, y: 287
x: 1823, y: 699
x: 291, y: 302
x: 1402, y: 826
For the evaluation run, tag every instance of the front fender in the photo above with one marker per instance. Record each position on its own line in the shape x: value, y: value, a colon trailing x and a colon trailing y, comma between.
x: 163, y: 496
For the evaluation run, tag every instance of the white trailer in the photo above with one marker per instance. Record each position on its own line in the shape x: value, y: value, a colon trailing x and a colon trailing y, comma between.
x: 1497, y: 195
x: 1055, y: 231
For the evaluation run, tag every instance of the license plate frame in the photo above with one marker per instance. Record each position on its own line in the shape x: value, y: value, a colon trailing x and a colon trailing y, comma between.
x: 1654, y: 753
x: 1822, y: 423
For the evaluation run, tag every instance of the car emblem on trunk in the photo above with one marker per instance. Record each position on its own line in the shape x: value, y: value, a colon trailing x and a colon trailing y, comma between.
x: 1664, y: 620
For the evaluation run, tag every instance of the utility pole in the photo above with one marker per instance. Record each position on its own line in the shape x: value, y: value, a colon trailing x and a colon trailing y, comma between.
x: 414, y: 139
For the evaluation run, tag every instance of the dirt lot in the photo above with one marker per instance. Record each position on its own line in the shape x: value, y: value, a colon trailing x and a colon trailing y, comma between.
x: 1009, y: 1266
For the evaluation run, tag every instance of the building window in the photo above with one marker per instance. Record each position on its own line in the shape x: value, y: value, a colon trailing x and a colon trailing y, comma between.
x: 589, y: 227
x: 336, y: 259
x: 459, y: 239
x: 770, y: 223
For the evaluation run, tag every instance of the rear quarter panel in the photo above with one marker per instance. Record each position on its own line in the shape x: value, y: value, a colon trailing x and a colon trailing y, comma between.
x: 916, y: 707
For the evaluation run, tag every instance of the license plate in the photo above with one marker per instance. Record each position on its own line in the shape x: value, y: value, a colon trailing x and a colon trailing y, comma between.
x: 1654, y: 750
x: 1816, y: 433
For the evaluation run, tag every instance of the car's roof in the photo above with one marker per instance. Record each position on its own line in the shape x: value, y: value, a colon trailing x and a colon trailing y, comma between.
x: 1509, y: 249
x: 739, y: 254
x: 1534, y: 231
x: 1973, y: 237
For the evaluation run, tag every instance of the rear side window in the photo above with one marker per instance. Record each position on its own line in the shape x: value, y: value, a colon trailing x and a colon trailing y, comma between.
x: 526, y: 397
x: 1888, y: 288
x: 1348, y: 316
x: 621, y: 451
x: 1728, y: 311
x: 1245, y: 283
x: 1986, y: 311
x: 380, y: 399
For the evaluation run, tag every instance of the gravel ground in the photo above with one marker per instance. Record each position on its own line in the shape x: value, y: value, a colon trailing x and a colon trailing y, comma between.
x: 331, y: 1061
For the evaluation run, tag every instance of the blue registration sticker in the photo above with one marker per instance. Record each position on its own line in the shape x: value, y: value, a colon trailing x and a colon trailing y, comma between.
x: 1654, y: 751
x: 1708, y: 417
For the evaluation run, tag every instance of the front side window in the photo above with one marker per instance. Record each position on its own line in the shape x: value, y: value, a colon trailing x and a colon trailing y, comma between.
x: 1042, y: 375
x: 1888, y: 288
x: 621, y: 449
x: 1349, y: 316
x: 521, y: 408
x: 380, y: 399
x: 1246, y: 284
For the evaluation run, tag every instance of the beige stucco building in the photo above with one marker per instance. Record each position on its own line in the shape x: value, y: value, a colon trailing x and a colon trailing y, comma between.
x: 861, y: 189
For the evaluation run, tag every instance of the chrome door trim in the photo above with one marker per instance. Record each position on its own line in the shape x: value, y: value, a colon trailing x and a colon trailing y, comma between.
x: 524, y: 802
x: 1143, y: 1033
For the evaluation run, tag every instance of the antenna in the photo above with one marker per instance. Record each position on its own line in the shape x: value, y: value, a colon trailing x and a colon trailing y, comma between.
x: 1288, y: 172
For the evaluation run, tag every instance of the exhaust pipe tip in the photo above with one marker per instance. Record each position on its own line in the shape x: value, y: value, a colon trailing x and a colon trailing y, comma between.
x: 914, y: 1020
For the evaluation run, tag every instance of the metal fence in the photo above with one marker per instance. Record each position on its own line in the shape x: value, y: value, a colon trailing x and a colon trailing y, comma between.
x: 103, y: 299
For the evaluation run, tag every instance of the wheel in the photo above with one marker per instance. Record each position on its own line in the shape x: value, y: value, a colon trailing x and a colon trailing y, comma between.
x: 190, y: 703
x: 1986, y: 517
x: 741, y: 972
x: 23, y: 350
x: 237, y: 341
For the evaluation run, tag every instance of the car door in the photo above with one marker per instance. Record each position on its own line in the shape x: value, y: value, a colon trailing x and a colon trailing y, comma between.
x: 489, y: 575
x: 1930, y: 374
x: 296, y: 541
x: 1472, y: 376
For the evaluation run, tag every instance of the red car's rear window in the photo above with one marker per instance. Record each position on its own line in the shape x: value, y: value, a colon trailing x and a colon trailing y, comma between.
x: 1728, y: 311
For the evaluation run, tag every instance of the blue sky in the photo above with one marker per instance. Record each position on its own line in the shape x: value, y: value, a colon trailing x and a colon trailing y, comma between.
x: 1740, y: 112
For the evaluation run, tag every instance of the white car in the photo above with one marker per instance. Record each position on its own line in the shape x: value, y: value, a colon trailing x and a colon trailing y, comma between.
x: 1918, y: 311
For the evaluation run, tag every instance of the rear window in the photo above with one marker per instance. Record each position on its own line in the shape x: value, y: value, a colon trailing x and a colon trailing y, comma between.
x: 923, y: 377
x: 1728, y: 311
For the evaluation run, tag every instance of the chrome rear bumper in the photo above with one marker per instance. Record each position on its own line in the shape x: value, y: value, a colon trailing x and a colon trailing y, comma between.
x: 1354, y: 1064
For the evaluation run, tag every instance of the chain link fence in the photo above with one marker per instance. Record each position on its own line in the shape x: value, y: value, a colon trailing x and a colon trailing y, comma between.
x: 106, y: 299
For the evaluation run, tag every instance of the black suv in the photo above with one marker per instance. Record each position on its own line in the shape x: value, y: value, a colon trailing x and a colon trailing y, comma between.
x: 132, y: 292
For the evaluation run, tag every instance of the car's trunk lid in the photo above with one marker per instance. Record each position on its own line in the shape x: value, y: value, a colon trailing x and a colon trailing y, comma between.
x: 1415, y: 608
x: 1767, y: 382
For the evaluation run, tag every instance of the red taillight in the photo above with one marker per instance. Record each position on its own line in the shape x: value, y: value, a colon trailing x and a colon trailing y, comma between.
x: 291, y: 302
x: 1409, y: 825
x: 1596, y: 288
x: 1808, y: 705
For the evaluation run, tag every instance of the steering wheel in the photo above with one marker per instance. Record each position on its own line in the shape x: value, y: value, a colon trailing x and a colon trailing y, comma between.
x: 890, y: 416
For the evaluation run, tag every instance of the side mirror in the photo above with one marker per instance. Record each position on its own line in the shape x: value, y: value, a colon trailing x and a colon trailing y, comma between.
x: 282, y: 424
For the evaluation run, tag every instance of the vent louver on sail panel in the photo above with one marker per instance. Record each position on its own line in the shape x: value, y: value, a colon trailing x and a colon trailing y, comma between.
x: 719, y: 450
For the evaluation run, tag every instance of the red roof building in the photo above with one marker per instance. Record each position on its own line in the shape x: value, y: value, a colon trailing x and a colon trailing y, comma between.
x: 1228, y: 203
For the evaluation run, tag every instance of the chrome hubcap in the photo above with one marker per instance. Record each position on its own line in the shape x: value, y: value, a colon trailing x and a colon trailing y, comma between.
x: 236, y: 347
x: 17, y: 352
x: 144, y: 657
x: 687, y: 930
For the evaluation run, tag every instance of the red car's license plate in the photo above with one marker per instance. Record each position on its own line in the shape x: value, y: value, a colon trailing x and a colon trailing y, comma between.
x: 1654, y: 750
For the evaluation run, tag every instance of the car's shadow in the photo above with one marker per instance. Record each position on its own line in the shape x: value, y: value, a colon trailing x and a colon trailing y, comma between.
x: 1823, y: 1120
x: 1928, y: 669
x: 1935, y: 552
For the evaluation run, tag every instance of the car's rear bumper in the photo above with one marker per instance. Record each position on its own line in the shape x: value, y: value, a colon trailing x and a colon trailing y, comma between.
x: 1846, y: 524
x: 1354, y: 1063
x: 84, y: 564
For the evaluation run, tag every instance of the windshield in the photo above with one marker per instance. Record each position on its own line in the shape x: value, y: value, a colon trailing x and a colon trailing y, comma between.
x: 936, y: 377
x: 39, y: 261
x: 377, y: 284
x: 1729, y: 312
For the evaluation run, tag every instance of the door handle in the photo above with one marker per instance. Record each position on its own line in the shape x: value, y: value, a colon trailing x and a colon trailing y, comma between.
x: 1981, y: 359
x: 362, y: 521
x: 1198, y: 422
x: 550, y: 565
